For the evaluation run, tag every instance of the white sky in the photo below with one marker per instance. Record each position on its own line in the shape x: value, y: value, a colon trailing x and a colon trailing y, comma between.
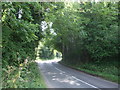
x: 44, y: 26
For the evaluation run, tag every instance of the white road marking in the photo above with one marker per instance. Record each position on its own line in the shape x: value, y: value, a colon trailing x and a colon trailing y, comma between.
x: 86, y: 83
x: 59, y: 70
x: 78, y: 79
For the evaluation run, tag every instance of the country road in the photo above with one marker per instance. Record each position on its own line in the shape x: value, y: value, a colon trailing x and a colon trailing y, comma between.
x: 59, y: 76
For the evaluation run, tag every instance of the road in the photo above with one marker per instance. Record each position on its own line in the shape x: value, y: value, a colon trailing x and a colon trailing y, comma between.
x: 60, y: 76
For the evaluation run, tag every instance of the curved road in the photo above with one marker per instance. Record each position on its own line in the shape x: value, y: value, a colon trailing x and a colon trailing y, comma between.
x: 59, y: 76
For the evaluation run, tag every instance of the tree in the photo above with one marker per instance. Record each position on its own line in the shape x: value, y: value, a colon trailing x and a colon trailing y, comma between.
x: 20, y: 32
x: 86, y: 31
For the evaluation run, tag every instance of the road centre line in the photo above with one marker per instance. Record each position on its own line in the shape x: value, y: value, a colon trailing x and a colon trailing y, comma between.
x: 78, y: 79
x: 59, y: 70
x: 86, y: 83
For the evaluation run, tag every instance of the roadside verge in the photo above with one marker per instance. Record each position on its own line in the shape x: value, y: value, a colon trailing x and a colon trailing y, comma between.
x: 103, y: 75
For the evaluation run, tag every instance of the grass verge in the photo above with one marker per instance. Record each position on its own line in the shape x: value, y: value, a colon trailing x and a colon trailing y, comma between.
x: 26, y: 76
x: 106, y: 70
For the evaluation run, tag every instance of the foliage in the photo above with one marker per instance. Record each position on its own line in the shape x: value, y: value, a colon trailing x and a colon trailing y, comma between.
x: 86, y: 31
x: 46, y: 53
x: 19, y: 34
x: 105, y: 69
x: 27, y: 76
x: 83, y: 32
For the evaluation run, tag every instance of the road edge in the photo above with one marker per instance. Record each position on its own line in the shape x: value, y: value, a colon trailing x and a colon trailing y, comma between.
x: 88, y: 73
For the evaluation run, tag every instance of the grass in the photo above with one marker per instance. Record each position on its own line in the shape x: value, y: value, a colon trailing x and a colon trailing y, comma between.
x: 105, y: 69
x: 35, y: 76
x: 26, y: 76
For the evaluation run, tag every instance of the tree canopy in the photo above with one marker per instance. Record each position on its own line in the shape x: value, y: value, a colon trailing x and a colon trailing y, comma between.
x: 85, y: 31
x: 82, y: 31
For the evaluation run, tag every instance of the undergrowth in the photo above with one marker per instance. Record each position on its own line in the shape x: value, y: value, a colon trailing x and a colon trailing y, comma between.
x: 26, y: 76
x: 107, y: 70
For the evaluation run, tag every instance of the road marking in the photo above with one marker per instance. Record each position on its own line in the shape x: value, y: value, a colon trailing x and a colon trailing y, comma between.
x: 59, y: 70
x: 78, y: 79
x: 86, y: 83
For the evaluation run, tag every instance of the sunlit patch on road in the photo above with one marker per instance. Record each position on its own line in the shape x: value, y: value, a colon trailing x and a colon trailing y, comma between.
x: 53, y: 76
x: 58, y: 76
x: 68, y: 80
x: 48, y: 61
x: 51, y: 73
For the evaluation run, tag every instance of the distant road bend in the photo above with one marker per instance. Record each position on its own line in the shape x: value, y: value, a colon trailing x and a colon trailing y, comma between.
x: 59, y: 76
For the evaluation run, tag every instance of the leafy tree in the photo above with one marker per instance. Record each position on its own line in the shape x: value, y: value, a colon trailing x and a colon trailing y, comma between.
x: 20, y: 34
x: 86, y: 31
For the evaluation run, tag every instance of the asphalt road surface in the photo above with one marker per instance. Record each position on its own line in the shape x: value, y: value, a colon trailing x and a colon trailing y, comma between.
x: 60, y: 76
